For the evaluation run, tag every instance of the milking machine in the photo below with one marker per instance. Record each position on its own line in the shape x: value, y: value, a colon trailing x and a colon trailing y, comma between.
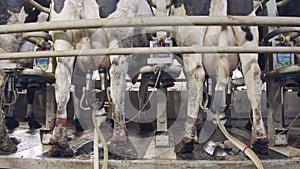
x: 282, y: 77
x: 99, y: 116
x: 217, y: 100
x: 90, y: 100
x: 40, y: 76
x: 160, y: 73
x: 9, y: 93
x: 217, y: 105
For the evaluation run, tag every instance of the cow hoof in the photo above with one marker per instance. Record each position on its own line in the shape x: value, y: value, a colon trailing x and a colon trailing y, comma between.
x: 6, y: 144
x: 60, y: 150
x: 260, y: 146
x: 33, y: 124
x: 11, y: 123
x: 122, y: 147
x: 59, y: 144
x: 186, y: 145
x: 78, y: 126
x: 8, y: 147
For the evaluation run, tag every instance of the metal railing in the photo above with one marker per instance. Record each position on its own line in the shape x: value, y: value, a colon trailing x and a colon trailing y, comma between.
x: 151, y: 22
x: 146, y: 50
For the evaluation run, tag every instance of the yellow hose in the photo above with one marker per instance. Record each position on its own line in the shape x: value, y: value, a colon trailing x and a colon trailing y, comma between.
x: 14, y: 101
x: 102, y: 139
x: 81, y: 102
x: 240, y: 145
x: 38, y: 6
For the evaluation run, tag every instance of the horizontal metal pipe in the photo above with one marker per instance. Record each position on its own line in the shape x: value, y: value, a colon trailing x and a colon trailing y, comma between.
x: 145, y: 50
x: 152, y: 21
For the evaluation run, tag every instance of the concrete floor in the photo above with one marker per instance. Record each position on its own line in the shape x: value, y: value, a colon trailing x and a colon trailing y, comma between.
x: 32, y: 154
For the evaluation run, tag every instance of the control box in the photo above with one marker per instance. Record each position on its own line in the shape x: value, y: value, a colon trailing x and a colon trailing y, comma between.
x: 281, y: 60
x: 160, y: 58
x: 44, y: 64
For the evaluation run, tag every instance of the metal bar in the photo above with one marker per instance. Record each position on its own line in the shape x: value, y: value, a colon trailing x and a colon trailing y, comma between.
x: 146, y: 50
x: 152, y: 21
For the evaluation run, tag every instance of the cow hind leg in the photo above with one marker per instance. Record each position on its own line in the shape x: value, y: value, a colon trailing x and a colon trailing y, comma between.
x: 6, y: 144
x: 119, y: 143
x: 252, y: 73
x: 59, y: 139
x: 63, y: 74
x: 251, y: 70
x: 195, y: 78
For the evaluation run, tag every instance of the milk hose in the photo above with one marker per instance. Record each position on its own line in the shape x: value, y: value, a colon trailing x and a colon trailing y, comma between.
x: 246, y: 149
x: 100, y: 135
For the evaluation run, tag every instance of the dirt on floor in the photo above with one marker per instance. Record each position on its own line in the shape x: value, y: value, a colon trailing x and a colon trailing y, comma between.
x: 141, y: 141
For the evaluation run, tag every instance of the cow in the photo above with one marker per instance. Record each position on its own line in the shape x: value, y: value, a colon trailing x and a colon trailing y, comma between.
x: 196, y: 65
x: 10, y: 13
x: 226, y: 63
x: 15, y: 12
x: 6, y: 144
x: 93, y: 38
x: 32, y: 15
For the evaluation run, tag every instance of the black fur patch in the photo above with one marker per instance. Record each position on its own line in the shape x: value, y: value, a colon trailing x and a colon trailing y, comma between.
x: 13, y: 6
x: 43, y: 3
x: 249, y: 35
x: 58, y: 5
x: 4, y: 15
x: 177, y: 3
x: 201, y: 7
x: 239, y: 7
x: 106, y: 7
x: 194, y: 7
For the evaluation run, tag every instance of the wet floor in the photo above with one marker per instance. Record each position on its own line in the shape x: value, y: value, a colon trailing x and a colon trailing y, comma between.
x: 30, y: 145
x: 30, y: 142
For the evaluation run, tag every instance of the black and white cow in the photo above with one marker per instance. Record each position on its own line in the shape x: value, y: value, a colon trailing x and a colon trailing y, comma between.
x: 93, y: 38
x: 15, y: 12
x: 9, y: 14
x: 196, y: 65
x: 30, y: 14
x: 222, y: 64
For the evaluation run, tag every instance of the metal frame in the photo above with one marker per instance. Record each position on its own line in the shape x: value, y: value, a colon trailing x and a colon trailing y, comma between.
x: 152, y: 21
x: 146, y: 50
